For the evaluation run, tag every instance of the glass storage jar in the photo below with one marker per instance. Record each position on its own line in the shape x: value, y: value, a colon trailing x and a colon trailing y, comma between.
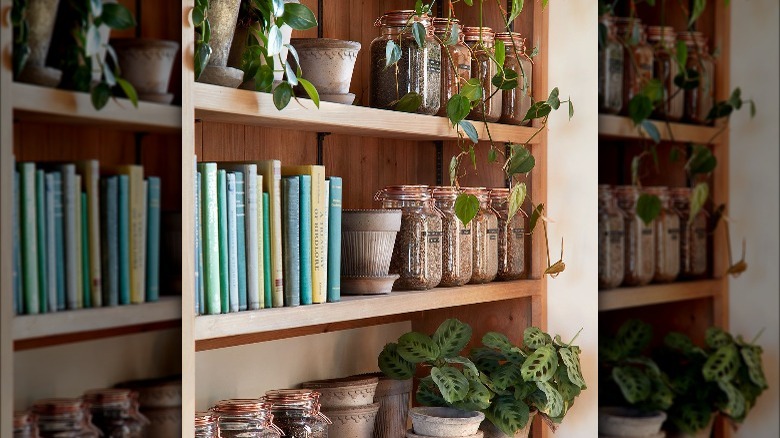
x: 667, y: 238
x: 481, y: 41
x: 516, y: 102
x: 693, y: 236
x: 205, y: 425
x: 297, y: 413
x: 64, y: 417
x: 417, y: 71
x: 115, y: 413
x: 699, y: 101
x: 665, y: 68
x: 245, y: 418
x: 638, y: 57
x: 511, y: 236
x: 24, y: 426
x: 455, y: 59
x: 484, y: 232
x: 611, y: 57
x: 417, y: 254
x: 611, y: 240
x: 455, y: 239
x: 639, y: 259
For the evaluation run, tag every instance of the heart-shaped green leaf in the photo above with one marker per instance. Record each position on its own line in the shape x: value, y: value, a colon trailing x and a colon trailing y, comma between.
x: 466, y: 207
x: 410, y: 103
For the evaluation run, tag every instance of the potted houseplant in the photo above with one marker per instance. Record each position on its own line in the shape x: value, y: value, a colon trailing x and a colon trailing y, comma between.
x: 33, y: 24
x: 507, y: 383
x: 724, y: 377
x: 634, y: 391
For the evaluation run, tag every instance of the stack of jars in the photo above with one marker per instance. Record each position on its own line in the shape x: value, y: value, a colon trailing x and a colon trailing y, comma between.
x: 632, y: 54
x: 632, y: 253
x: 115, y: 413
x: 434, y: 248
x: 24, y: 425
x: 451, y: 55
x: 58, y: 417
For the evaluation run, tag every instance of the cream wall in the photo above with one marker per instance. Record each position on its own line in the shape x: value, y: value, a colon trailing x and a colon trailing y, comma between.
x: 572, y: 299
x: 754, y: 167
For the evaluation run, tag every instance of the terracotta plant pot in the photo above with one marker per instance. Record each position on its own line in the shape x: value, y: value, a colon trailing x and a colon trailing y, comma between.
x: 445, y: 422
x: 394, y: 397
x: 703, y: 433
x: 630, y: 423
x: 352, y: 422
x: 147, y: 64
x: 222, y: 18
x: 41, y: 16
x: 327, y: 63
x: 492, y: 431
x: 367, y: 241
x: 348, y: 392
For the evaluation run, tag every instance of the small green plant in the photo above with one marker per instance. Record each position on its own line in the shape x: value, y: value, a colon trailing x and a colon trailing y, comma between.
x: 504, y: 381
x: 21, y: 31
x: 200, y: 19
x: 726, y: 376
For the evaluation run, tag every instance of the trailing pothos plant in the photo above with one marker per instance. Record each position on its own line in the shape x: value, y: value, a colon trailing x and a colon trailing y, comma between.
x: 21, y: 32
x: 472, y: 94
x: 630, y: 377
x: 699, y: 162
x: 87, y: 50
x: 504, y: 381
x: 726, y: 376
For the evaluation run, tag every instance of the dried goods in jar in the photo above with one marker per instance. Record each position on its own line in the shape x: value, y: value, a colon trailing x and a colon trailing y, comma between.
x: 639, y: 259
x: 611, y: 240
x: 456, y: 241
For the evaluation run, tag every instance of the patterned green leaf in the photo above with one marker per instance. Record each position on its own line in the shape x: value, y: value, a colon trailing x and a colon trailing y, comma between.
x: 752, y: 357
x: 497, y: 341
x: 679, y: 342
x: 469, y: 369
x: 572, y: 362
x: 534, y: 338
x: 506, y: 375
x: 486, y: 359
x: 633, y: 336
x: 554, y: 402
x: 451, y: 337
x: 717, y: 338
x: 633, y: 383
x: 524, y: 389
x: 508, y: 414
x: 661, y: 395
x: 691, y: 417
x: 568, y: 390
x: 417, y: 347
x: 735, y: 406
x: 393, y: 365
x: 722, y: 365
x: 427, y: 393
x: 477, y: 399
x: 452, y: 384
x: 540, y: 365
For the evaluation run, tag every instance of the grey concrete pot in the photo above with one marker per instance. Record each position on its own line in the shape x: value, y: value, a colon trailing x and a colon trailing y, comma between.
x: 445, y: 422
x: 223, y: 15
x: 630, y: 423
x: 352, y: 422
x: 41, y: 16
x: 147, y: 64
x: 492, y: 431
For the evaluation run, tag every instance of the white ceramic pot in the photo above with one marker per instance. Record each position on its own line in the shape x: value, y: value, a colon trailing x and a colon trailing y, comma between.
x: 492, y: 431
x: 367, y: 241
x: 445, y: 422
x: 348, y: 392
x: 147, y: 64
x: 630, y: 423
x: 352, y: 422
x: 327, y: 63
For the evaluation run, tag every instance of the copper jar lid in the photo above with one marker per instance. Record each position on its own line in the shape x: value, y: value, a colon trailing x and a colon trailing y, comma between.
x: 473, y: 33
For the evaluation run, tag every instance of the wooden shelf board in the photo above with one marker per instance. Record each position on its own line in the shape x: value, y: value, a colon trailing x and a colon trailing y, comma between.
x: 623, y: 128
x: 228, y: 105
x: 219, y: 331
x: 50, y: 105
x: 33, y: 331
x: 626, y: 297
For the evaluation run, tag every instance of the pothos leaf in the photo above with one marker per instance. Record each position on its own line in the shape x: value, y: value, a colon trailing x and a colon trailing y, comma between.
x: 648, y: 207
x: 452, y: 384
x: 682, y: 54
x: 517, y: 8
x: 393, y: 365
x: 472, y: 90
x: 311, y: 90
x: 392, y: 53
x: 470, y: 130
x: 698, y: 8
x: 458, y: 108
x: 299, y: 16
x: 418, y: 31
x: 516, y: 199
x: 521, y: 160
x: 409, y: 103
x: 466, y: 207
x: 698, y: 197
x: 282, y: 95
x: 451, y: 337
x: 275, y: 40
x: 417, y: 347
x: 129, y: 90
x: 571, y: 109
x: 500, y: 51
x: 492, y: 155
x: 453, y: 169
x: 538, y: 110
x: 535, y: 216
x: 651, y: 130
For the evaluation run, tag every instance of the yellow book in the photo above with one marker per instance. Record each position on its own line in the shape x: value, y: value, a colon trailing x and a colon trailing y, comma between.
x: 319, y: 232
x: 271, y: 171
x: 137, y: 223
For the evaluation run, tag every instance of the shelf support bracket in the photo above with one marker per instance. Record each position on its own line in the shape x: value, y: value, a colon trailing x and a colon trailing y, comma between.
x: 439, y: 162
x: 320, y: 9
x: 138, y: 149
x: 321, y: 147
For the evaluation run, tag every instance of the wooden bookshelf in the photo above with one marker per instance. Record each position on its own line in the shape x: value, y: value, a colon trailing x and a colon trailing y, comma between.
x: 618, y: 127
x: 32, y: 103
x: 226, y: 105
x: 627, y: 297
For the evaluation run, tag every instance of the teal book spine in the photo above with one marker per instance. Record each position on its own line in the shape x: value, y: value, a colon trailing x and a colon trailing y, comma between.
x: 70, y: 236
x: 123, y: 238
x: 241, y: 240
x: 267, y: 280
x: 109, y: 239
x: 210, y: 236
x: 291, y: 225
x: 17, y: 256
x: 305, y: 238
x: 50, y: 235
x: 224, y: 273
x: 334, y: 239
x: 85, y: 251
x: 326, y: 210
x: 153, y: 239
x: 198, y: 260
x: 29, y: 242
x: 40, y: 209
x: 232, y: 239
x: 59, y: 239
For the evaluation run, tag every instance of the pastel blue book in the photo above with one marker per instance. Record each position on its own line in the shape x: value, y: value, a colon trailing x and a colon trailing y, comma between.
x: 29, y: 228
x: 198, y: 261
x: 224, y: 270
x: 291, y: 248
x: 17, y: 257
x: 109, y: 239
x: 267, y: 280
x: 209, y: 228
x: 232, y: 238
x: 40, y: 209
x: 153, y: 239
x: 241, y: 240
x: 123, y: 238
x: 305, y: 238
x: 84, y: 223
x: 334, y: 239
x: 50, y: 235
x: 70, y: 234
x: 59, y: 240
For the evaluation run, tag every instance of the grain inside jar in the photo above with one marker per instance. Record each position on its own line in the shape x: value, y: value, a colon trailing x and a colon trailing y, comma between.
x: 511, y: 236
x: 484, y: 233
x: 639, y: 256
x: 456, y: 240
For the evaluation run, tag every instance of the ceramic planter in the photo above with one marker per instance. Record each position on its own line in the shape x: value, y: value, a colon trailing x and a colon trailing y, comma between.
x: 492, y: 431
x: 703, y: 433
x: 630, y: 423
x: 41, y: 16
x: 222, y: 18
x: 327, y: 63
x: 445, y: 422
x: 394, y: 397
x: 352, y: 422
x: 147, y: 63
x: 368, y: 237
x: 342, y: 393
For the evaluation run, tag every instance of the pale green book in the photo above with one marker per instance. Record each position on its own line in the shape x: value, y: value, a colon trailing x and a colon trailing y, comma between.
x: 29, y: 240
x: 209, y: 222
x: 224, y: 273
x: 40, y: 210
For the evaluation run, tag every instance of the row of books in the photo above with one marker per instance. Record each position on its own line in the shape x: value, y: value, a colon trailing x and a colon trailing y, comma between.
x: 84, y: 236
x: 266, y: 235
